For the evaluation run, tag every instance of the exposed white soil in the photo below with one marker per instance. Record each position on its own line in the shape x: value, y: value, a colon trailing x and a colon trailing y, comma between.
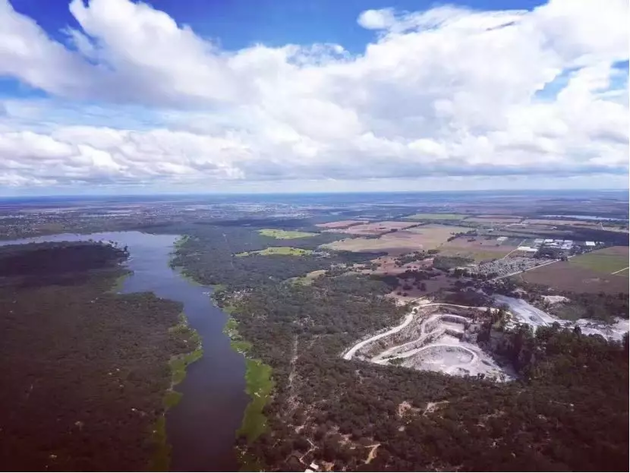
x: 429, y: 339
x: 439, y: 337
x: 555, y: 299
x: 523, y: 312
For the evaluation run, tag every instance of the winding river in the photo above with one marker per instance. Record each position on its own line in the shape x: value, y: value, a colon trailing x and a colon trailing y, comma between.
x: 202, y: 427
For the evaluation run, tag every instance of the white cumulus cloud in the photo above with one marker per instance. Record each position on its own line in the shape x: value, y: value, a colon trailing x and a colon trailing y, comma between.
x: 445, y: 92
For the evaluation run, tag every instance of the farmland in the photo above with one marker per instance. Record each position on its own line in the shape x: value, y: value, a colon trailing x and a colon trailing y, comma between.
x: 436, y: 216
x: 608, y: 260
x: 277, y: 250
x: 376, y: 228
x: 479, y: 249
x: 400, y: 242
x: 285, y: 234
x: 567, y: 276
x: 494, y: 219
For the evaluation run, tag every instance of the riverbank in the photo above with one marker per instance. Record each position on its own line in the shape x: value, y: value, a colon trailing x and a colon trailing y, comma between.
x: 213, y: 390
x: 97, y: 371
x: 178, y: 365
x: 259, y: 385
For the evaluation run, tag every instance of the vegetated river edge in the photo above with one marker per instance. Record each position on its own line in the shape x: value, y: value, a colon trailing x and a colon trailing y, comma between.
x: 202, y: 424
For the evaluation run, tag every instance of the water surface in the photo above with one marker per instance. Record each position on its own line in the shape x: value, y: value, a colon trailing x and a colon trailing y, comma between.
x: 202, y: 427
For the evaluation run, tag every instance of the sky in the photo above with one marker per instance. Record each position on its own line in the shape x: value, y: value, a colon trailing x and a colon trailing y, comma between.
x: 171, y: 96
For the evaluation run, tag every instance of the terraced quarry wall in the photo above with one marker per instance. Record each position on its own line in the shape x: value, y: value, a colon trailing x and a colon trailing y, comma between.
x: 433, y: 337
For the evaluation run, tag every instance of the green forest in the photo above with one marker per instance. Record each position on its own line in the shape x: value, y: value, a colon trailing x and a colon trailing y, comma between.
x: 567, y: 411
x: 84, y: 370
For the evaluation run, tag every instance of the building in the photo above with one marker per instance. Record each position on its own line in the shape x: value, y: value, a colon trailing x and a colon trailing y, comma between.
x: 589, y: 243
x: 527, y: 249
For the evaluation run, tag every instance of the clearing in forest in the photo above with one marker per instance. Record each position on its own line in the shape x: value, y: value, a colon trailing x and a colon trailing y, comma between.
x: 285, y: 234
x: 277, y: 250
x: 607, y: 260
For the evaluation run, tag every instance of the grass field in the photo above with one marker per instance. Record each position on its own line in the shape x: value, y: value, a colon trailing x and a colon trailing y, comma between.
x: 607, y: 260
x: 258, y: 384
x: 277, y: 250
x: 285, y: 234
x: 566, y: 276
x: 259, y: 387
x: 480, y: 249
x: 436, y: 217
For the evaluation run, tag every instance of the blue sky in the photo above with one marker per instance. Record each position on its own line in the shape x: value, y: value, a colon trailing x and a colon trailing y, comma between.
x: 179, y: 96
x: 273, y: 22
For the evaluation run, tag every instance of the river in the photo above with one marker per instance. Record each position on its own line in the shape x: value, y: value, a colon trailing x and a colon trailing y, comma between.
x: 202, y: 427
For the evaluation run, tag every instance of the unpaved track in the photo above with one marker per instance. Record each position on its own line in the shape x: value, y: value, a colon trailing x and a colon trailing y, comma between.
x: 350, y: 353
x: 423, y: 334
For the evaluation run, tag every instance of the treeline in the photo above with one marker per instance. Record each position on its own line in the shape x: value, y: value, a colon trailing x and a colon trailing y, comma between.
x: 54, y: 258
x: 449, y: 262
x: 83, y: 371
x: 209, y: 257
x: 579, y: 305
x: 569, y: 411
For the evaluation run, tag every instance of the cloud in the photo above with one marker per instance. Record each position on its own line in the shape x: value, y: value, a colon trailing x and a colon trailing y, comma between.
x: 377, y: 19
x: 443, y: 92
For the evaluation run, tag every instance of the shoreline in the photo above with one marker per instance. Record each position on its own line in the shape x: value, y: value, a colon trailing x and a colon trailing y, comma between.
x: 178, y: 365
